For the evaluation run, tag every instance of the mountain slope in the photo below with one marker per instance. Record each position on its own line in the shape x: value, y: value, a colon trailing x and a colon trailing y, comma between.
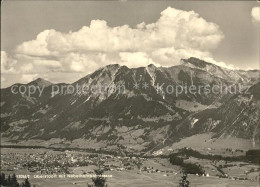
x: 238, y: 117
x: 139, y: 118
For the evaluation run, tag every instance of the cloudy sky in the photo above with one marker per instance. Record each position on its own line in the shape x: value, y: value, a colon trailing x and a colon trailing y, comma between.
x: 64, y: 41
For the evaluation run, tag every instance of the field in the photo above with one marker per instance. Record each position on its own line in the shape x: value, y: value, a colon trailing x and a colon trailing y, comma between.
x: 163, y: 173
x: 131, y: 178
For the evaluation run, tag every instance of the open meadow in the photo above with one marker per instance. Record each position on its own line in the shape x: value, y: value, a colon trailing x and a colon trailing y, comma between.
x: 122, y: 171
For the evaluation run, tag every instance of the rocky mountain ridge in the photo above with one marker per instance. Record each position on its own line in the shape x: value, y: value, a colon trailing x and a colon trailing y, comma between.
x: 136, y: 117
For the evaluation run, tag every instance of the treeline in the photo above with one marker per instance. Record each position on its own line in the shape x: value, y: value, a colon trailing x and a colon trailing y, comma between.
x: 23, y: 146
x: 188, y: 168
x: 187, y: 152
x: 89, y: 150
x: 253, y: 156
x: 12, y: 181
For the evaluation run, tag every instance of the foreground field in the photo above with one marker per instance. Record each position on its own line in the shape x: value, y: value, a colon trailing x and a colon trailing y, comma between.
x: 155, y: 172
x: 131, y: 178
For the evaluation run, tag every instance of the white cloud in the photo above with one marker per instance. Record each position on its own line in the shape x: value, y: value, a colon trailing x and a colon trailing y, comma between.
x: 37, y: 47
x: 27, y: 68
x: 7, y: 63
x: 25, y: 78
x: 31, y: 64
x: 53, y: 64
x: 175, y: 28
x: 255, y: 13
x: 171, y: 56
x: 3, y: 80
x: 136, y: 59
x: 176, y: 34
x: 219, y: 63
x: 85, y: 63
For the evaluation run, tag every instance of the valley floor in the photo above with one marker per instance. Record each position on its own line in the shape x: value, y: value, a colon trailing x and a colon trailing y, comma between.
x: 156, y: 171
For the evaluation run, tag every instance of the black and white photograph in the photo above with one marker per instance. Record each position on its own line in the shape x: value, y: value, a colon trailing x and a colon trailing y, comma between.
x: 130, y: 93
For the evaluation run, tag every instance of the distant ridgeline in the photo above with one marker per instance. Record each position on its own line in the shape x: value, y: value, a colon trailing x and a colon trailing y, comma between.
x: 250, y: 156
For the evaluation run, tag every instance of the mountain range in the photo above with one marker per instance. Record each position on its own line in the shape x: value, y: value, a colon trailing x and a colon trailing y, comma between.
x: 142, y: 116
